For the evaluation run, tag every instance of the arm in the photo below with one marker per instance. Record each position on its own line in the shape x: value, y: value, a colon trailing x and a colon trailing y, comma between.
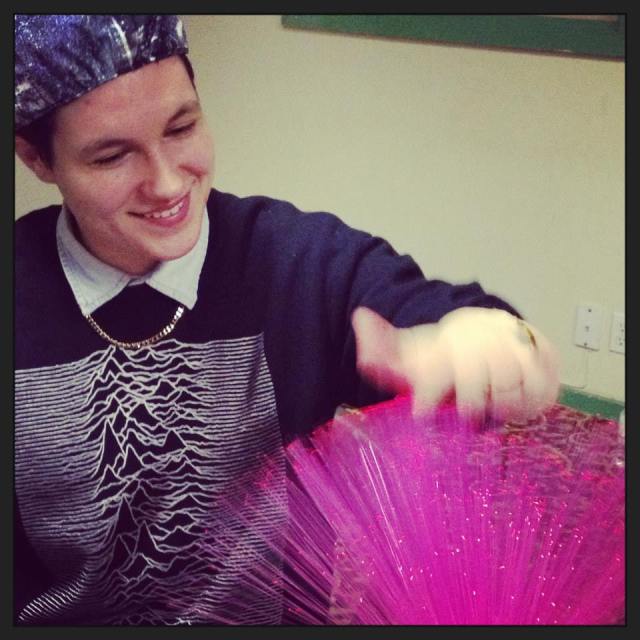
x: 444, y: 342
x: 314, y: 272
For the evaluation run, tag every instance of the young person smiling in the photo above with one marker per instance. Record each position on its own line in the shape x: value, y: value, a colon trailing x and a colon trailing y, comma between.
x: 135, y: 172
x: 169, y: 335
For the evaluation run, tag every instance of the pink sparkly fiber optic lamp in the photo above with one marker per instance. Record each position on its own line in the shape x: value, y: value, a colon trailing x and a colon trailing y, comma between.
x: 403, y: 521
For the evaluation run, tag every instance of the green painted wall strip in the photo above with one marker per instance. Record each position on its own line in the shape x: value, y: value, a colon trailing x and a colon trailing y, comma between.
x: 538, y: 33
x: 589, y: 403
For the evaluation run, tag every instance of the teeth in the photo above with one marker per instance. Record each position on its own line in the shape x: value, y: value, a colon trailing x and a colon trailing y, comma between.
x: 164, y: 214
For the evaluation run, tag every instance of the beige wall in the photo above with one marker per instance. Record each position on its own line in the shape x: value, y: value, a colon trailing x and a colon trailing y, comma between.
x: 500, y: 166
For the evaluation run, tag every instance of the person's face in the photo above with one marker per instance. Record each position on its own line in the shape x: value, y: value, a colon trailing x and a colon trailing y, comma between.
x: 133, y: 161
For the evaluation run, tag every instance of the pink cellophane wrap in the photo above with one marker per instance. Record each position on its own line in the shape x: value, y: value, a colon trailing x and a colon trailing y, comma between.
x: 402, y: 521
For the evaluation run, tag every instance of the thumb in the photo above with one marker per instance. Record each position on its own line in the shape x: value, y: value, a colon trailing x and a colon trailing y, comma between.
x: 378, y: 353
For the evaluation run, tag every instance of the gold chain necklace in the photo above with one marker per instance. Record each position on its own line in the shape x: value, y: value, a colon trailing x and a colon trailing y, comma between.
x: 141, y: 343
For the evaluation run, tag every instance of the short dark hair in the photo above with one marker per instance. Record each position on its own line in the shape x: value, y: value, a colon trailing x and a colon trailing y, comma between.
x: 40, y: 132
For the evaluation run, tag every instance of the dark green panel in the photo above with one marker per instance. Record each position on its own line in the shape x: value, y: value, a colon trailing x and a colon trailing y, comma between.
x: 595, y: 405
x: 535, y: 33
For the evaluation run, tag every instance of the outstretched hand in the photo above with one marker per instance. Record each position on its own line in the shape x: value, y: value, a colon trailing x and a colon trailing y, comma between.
x: 491, y: 362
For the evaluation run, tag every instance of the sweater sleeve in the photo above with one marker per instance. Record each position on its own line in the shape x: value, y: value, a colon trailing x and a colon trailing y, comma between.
x: 364, y: 270
x: 317, y: 270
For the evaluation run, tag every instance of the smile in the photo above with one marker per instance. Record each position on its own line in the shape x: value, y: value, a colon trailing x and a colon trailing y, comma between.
x: 171, y: 218
x: 164, y: 214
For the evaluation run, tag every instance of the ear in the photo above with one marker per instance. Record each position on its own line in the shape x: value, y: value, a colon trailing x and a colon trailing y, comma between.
x: 30, y: 156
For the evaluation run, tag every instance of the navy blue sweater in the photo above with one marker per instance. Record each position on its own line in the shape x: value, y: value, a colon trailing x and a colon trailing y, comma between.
x: 109, y: 441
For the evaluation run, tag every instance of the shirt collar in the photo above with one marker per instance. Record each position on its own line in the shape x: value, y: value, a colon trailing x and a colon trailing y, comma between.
x: 94, y: 282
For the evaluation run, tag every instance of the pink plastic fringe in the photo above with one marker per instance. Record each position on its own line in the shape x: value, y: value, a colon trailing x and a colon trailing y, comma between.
x: 403, y: 521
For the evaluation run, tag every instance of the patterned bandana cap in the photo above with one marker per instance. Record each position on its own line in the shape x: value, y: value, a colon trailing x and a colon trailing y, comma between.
x: 59, y: 58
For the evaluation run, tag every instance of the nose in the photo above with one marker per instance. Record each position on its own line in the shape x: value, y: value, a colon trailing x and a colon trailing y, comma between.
x: 163, y: 179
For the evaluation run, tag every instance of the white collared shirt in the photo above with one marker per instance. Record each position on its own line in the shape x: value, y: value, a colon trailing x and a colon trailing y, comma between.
x: 94, y: 282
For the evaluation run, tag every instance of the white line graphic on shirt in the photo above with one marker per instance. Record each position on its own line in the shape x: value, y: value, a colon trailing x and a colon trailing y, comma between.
x: 124, y: 463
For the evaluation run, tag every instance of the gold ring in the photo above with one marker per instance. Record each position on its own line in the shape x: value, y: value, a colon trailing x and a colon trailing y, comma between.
x: 530, y: 336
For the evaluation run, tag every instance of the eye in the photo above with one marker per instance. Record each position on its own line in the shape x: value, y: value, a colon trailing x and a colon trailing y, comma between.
x: 110, y: 159
x: 185, y: 128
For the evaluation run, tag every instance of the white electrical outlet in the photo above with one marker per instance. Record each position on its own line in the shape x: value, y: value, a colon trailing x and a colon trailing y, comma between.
x: 616, y: 342
x: 588, y: 327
